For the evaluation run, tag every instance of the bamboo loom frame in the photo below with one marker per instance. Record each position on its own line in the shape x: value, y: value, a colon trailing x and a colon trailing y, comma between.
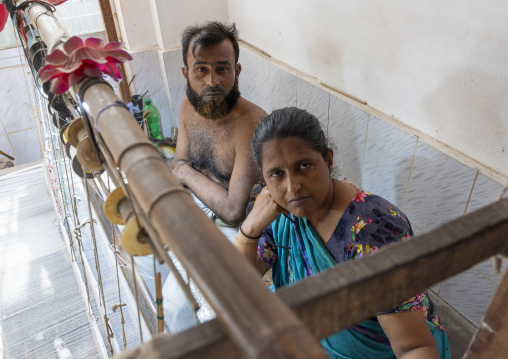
x: 244, y: 327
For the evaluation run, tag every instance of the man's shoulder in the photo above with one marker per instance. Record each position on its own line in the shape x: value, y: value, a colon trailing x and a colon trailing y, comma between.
x: 248, y: 111
x: 186, y: 110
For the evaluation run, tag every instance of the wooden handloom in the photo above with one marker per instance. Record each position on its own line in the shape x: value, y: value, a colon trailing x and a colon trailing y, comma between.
x: 251, y: 321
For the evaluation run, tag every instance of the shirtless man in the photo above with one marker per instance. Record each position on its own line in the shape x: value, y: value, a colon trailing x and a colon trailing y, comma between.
x: 212, y: 155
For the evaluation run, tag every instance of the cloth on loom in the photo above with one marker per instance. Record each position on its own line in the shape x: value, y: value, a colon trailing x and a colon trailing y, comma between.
x: 178, y: 313
x: 368, y: 223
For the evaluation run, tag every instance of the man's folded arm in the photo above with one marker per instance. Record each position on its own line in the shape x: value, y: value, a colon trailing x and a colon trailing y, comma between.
x: 229, y: 205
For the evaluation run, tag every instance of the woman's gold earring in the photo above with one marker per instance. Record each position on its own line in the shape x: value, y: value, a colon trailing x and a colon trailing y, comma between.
x: 298, y: 187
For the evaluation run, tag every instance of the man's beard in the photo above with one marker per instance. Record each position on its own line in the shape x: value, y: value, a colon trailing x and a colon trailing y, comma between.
x: 214, y: 109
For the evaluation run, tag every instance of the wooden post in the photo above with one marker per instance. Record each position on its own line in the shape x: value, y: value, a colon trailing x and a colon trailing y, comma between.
x: 491, y: 338
x: 158, y: 301
x: 111, y: 35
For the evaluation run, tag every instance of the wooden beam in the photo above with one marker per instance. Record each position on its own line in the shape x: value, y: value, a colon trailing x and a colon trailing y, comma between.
x: 491, y: 338
x: 112, y: 35
x: 338, y: 298
x: 380, y: 282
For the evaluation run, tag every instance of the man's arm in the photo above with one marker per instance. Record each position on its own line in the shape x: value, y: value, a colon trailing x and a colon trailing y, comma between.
x: 182, y: 144
x: 228, y: 205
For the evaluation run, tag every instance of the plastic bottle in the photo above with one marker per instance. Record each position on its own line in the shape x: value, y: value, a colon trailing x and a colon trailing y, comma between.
x: 152, y: 119
x: 137, y: 100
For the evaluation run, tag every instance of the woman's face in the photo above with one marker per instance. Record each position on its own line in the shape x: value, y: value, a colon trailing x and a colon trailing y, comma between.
x: 297, y: 176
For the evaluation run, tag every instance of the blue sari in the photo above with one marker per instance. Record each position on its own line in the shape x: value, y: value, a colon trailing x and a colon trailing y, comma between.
x: 305, y: 256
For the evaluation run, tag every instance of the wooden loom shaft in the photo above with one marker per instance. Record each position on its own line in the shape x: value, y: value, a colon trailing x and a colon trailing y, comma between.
x: 225, y: 278
x: 368, y: 285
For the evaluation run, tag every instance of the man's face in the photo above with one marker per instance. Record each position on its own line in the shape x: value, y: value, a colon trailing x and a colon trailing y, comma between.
x: 212, y: 80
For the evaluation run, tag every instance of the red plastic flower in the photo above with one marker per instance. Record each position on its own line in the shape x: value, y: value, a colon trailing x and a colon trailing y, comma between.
x: 82, y: 59
x: 4, y: 15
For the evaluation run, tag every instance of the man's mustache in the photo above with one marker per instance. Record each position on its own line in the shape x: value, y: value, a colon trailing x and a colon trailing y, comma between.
x: 212, y: 90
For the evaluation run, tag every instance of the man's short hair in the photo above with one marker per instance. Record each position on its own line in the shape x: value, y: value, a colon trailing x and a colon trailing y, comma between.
x: 208, y: 34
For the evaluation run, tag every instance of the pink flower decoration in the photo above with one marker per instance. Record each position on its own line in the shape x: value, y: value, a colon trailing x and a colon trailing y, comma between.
x: 82, y: 59
x: 4, y: 15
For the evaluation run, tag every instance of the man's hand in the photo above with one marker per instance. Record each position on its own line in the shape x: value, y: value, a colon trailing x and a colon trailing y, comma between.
x: 181, y: 170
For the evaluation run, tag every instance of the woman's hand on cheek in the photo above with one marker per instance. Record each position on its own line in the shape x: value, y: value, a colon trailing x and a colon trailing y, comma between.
x: 265, y: 211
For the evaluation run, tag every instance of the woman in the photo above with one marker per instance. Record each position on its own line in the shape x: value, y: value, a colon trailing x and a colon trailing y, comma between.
x: 304, y: 221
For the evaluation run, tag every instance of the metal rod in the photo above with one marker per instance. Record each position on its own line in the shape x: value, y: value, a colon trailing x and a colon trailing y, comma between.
x: 6, y: 155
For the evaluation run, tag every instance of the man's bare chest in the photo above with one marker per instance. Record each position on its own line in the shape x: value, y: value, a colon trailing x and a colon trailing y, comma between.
x: 212, y: 149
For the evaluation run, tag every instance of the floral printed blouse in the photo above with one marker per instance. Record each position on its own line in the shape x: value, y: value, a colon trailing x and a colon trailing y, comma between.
x: 367, y: 224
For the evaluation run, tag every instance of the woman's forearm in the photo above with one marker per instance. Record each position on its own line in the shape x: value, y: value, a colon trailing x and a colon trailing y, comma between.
x: 425, y: 352
x: 247, y: 247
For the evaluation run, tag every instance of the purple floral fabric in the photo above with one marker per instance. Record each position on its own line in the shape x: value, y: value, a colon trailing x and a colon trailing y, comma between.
x: 367, y: 224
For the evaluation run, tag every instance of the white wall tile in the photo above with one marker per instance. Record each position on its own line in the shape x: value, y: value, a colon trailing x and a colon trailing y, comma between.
x: 26, y: 146
x: 314, y: 100
x: 145, y: 66
x: 166, y: 115
x: 177, y: 117
x: 469, y: 293
x: 388, y: 158
x: 487, y: 269
x: 416, y: 230
x: 244, y: 60
x: 12, y: 57
x: 15, y: 112
x: 81, y: 17
x: 2, y: 132
x: 282, y: 88
x: 8, y: 38
x: 438, y: 189
x: 254, y: 80
x: 485, y: 191
x: 173, y: 63
x: 347, y: 130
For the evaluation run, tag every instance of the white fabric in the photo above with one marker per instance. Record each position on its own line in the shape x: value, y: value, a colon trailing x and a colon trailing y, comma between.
x: 178, y: 313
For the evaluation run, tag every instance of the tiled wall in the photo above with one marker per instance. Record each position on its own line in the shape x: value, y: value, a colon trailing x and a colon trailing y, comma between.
x: 159, y: 73
x: 429, y: 186
x: 18, y: 136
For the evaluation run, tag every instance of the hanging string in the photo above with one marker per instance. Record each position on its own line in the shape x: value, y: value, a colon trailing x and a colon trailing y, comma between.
x: 97, y: 265
x: 137, y: 299
x: 122, y: 319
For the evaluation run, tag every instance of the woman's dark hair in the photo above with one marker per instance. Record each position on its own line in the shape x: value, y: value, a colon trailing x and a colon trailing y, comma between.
x: 208, y: 34
x: 289, y: 122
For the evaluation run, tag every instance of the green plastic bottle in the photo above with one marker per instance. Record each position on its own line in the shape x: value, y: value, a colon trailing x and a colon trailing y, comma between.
x: 153, y: 119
